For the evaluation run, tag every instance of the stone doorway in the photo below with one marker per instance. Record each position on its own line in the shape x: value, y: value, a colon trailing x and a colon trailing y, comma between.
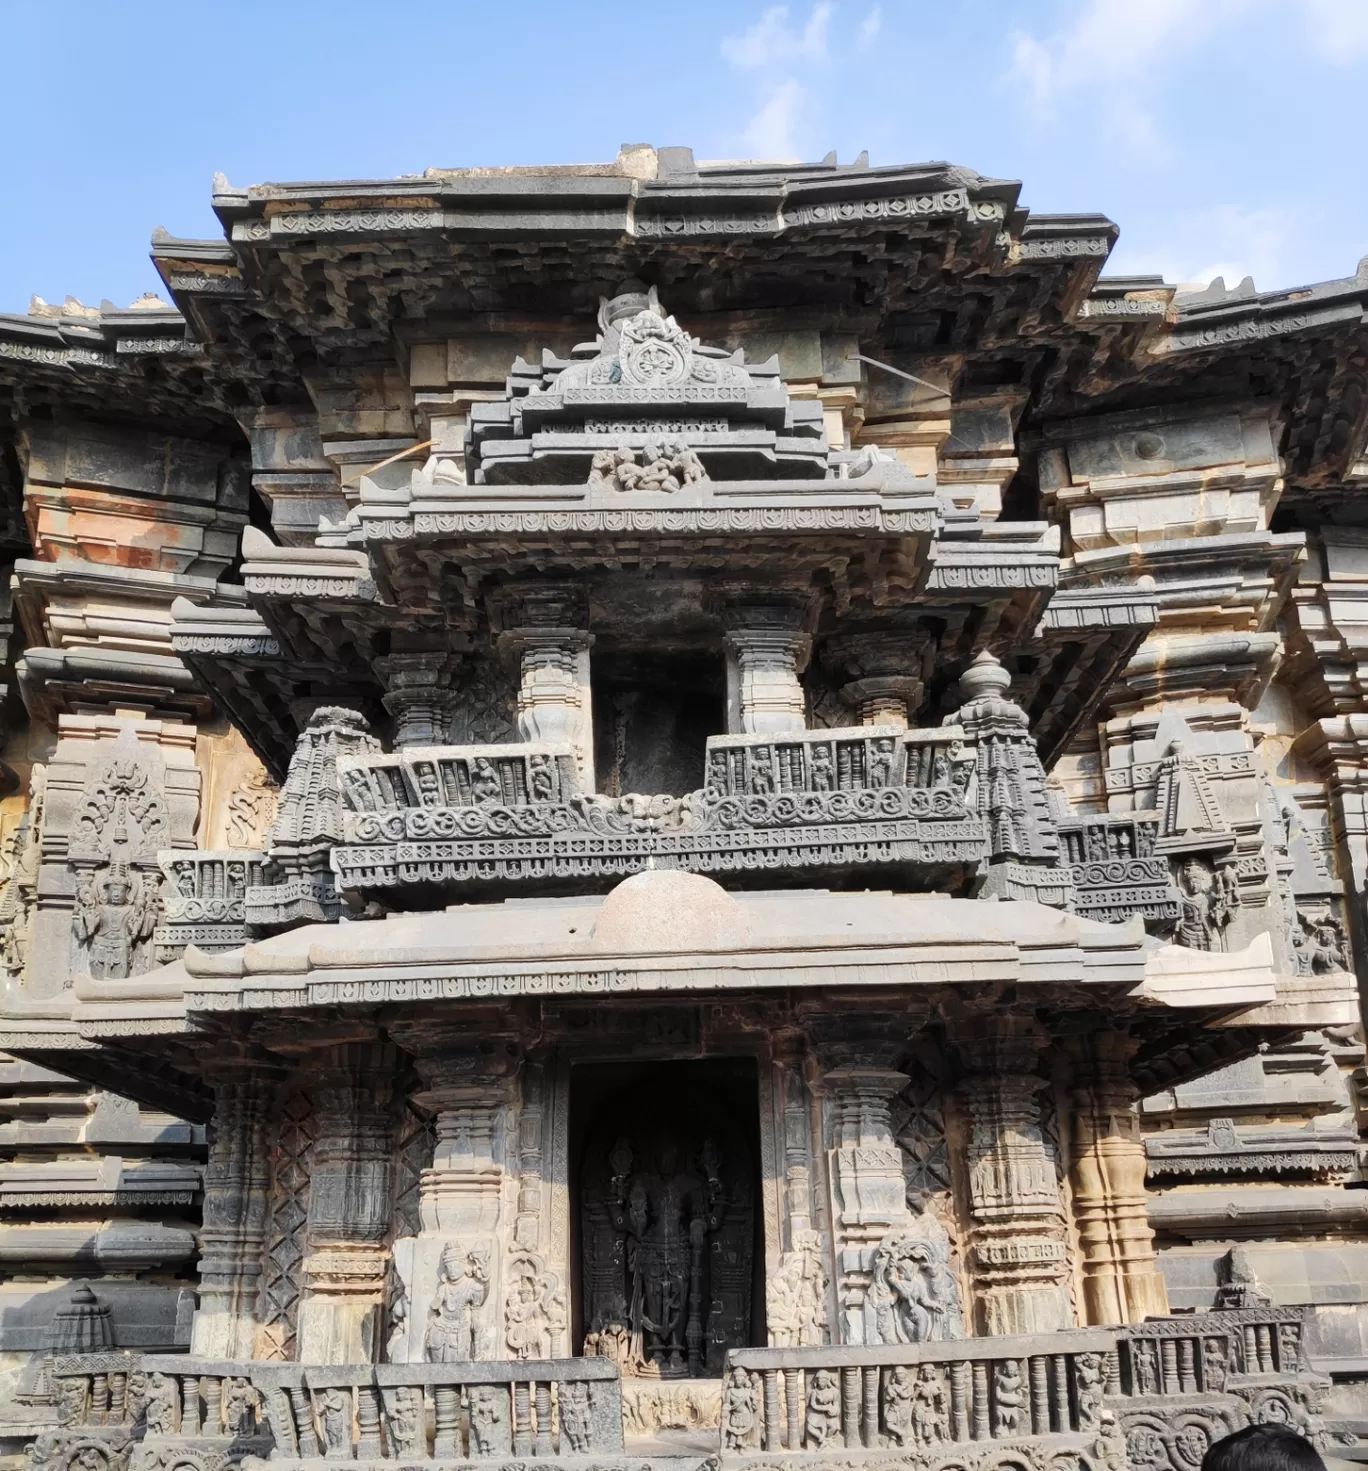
x: 667, y: 1243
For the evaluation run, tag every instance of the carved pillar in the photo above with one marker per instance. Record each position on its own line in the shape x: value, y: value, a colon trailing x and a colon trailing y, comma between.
x: 346, y: 1261
x: 1121, y: 1278
x: 882, y: 674
x: 546, y: 627
x: 1337, y: 748
x: 798, y: 1282
x: 767, y: 650
x: 868, y: 1188
x: 1020, y: 1253
x: 232, y: 1237
x: 453, y: 1272
x: 419, y: 695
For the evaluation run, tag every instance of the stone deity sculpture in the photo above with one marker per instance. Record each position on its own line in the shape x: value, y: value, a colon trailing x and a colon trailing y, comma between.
x: 667, y: 1214
x: 740, y: 1412
x: 453, y: 1326
x: 823, y: 1409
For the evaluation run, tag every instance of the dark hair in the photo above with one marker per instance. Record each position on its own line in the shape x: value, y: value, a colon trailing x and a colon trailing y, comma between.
x: 1263, y: 1448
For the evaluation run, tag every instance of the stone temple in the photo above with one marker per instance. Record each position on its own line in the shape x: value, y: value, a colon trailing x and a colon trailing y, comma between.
x: 665, y: 814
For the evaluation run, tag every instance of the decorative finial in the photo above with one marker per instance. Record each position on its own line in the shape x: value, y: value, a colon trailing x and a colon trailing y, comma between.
x: 985, y: 676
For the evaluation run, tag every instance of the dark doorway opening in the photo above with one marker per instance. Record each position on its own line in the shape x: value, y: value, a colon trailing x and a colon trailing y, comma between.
x: 667, y: 1231
x: 652, y: 720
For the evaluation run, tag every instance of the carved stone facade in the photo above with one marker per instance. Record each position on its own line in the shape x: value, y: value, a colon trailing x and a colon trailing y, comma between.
x: 701, y: 892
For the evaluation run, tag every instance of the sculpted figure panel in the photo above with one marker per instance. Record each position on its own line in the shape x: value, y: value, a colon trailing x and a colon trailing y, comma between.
x: 796, y: 1295
x: 916, y: 1297
x: 455, y: 1325
x: 667, y: 1214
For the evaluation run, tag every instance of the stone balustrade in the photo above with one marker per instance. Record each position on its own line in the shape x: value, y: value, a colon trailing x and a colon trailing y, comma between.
x: 203, y: 897
x: 1116, y: 872
x: 823, y: 799
x: 1152, y: 1395
x: 1185, y: 1381
x: 929, y: 1398
x: 174, y: 1409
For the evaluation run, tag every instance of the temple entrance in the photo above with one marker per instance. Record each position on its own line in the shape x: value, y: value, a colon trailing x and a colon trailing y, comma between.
x: 666, y: 1209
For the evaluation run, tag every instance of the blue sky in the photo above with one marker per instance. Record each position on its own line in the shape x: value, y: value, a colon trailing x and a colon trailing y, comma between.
x: 1223, y: 136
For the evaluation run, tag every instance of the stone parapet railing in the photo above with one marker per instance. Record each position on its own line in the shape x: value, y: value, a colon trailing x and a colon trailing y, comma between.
x: 1151, y: 1396
x: 966, y: 1402
x: 547, y: 1408
x: 1185, y: 1381
x: 1115, y: 870
x: 203, y: 897
x: 136, y: 1412
x: 453, y: 816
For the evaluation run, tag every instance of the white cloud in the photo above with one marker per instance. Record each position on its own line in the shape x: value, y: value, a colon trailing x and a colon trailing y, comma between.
x: 773, y: 41
x: 1229, y: 241
x: 1115, y: 53
x: 771, y: 132
x: 1337, y: 29
x: 869, y: 28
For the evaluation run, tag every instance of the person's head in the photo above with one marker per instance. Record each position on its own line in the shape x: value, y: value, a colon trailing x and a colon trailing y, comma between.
x: 1263, y: 1448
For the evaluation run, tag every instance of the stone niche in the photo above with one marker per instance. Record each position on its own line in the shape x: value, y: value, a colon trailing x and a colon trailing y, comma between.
x: 666, y: 1214
x: 652, y: 720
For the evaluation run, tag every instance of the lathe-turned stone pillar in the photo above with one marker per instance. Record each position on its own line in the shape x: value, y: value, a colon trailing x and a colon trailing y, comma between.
x: 882, y: 674
x: 1019, y: 1244
x: 767, y: 646
x: 346, y: 1262
x: 419, y: 695
x: 1121, y: 1278
x: 232, y: 1236
x: 546, y: 628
